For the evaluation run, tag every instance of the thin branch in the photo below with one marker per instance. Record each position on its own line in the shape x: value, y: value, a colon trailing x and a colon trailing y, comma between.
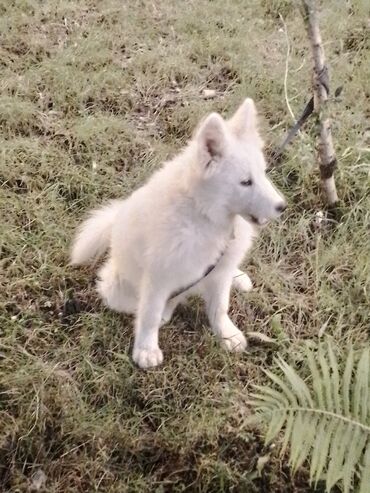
x: 292, y: 132
x: 287, y: 68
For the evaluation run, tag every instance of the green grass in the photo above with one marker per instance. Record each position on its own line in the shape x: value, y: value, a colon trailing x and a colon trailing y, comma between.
x: 94, y: 96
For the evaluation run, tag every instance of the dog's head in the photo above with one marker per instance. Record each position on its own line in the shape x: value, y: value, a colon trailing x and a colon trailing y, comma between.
x: 233, y: 167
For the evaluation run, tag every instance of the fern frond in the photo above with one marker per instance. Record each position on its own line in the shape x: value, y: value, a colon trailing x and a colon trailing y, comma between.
x: 365, y: 476
x: 335, y: 380
x: 361, y: 391
x: 347, y: 383
x: 324, y: 418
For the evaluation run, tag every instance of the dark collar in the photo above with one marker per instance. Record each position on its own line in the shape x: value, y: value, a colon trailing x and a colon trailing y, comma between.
x: 208, y: 270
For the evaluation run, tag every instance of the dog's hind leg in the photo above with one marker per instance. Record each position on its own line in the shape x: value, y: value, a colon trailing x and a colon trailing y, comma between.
x: 116, y: 293
x: 216, y: 292
x: 171, y: 306
x: 168, y: 310
x: 241, y: 281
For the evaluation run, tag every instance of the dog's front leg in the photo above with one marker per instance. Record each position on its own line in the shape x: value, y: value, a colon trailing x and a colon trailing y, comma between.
x: 217, y: 295
x: 146, y: 351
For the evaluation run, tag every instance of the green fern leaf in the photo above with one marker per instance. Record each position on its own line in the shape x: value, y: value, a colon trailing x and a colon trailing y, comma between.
x: 288, y: 431
x: 326, y: 380
x: 365, y: 477
x: 270, y: 395
x: 288, y: 394
x: 354, y: 453
x: 296, y: 439
x: 276, y: 424
x: 338, y: 448
x: 335, y: 380
x: 320, y: 450
x: 361, y: 391
x: 296, y: 382
x: 324, y: 418
x: 347, y: 384
x: 309, y: 431
x: 321, y: 455
x: 316, y: 379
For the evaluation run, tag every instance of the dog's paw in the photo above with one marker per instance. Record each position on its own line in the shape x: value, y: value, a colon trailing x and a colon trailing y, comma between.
x: 147, y: 357
x: 242, y: 281
x: 233, y: 341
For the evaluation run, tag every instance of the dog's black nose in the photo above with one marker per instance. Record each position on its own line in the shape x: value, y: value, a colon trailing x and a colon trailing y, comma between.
x: 281, y: 207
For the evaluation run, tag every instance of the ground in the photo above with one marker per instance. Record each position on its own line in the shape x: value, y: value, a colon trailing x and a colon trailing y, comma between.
x: 94, y: 96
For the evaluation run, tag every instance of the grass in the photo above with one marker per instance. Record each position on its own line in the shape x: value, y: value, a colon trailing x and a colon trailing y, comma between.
x: 94, y: 96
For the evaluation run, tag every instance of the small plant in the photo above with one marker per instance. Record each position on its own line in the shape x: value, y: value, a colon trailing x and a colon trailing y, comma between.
x: 328, y: 425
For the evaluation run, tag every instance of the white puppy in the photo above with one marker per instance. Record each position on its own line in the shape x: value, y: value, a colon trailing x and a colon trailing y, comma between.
x: 185, y: 231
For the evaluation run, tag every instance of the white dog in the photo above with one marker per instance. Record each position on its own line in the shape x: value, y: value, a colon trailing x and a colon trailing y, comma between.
x: 184, y: 232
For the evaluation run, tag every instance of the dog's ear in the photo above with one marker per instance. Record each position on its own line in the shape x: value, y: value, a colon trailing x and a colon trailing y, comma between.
x: 244, y: 120
x: 211, y: 138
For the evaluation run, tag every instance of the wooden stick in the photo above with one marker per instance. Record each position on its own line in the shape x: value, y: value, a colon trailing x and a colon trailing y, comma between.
x: 292, y: 132
x: 326, y: 153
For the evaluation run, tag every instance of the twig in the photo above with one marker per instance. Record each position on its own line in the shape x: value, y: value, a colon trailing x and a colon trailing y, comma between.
x: 292, y: 132
x: 287, y: 68
x: 306, y: 113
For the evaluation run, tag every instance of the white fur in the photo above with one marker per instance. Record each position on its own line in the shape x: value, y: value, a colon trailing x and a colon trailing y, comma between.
x: 93, y: 237
x: 242, y: 281
x: 165, y: 235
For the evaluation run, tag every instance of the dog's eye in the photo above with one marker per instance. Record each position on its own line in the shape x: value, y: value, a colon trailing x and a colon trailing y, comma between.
x: 246, y: 183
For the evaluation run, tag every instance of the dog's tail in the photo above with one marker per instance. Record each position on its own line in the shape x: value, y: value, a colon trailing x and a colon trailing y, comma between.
x: 93, y: 238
